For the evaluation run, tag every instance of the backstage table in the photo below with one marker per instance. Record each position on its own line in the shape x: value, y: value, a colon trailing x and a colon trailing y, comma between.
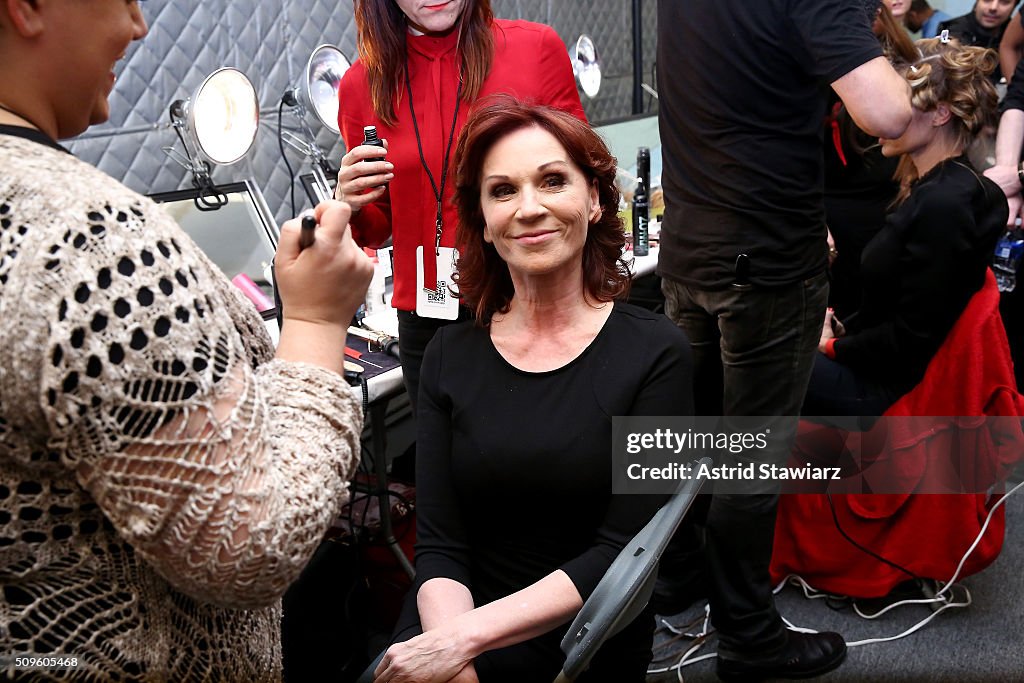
x: 380, y: 381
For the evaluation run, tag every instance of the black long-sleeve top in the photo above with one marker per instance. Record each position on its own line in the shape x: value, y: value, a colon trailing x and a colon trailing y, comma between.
x: 920, y: 271
x: 514, y: 468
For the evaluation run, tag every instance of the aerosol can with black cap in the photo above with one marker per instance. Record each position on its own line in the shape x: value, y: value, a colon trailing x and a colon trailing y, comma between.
x: 641, y: 208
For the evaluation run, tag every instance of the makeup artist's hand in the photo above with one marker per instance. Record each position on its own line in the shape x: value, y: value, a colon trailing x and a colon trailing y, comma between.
x: 326, y: 282
x: 321, y: 287
x: 357, y: 175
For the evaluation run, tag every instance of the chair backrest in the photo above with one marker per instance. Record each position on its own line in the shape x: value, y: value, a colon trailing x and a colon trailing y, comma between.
x: 625, y: 589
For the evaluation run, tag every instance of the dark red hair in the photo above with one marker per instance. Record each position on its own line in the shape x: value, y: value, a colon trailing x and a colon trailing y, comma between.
x: 483, y: 279
x: 381, y: 28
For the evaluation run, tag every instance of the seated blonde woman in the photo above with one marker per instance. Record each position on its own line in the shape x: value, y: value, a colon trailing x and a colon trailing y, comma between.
x: 930, y: 257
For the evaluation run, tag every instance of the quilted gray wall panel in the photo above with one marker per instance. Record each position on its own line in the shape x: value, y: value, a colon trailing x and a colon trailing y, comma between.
x: 270, y: 41
x: 609, y: 23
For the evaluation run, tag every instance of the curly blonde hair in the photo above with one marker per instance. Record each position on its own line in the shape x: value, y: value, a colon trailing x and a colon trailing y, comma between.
x: 955, y: 75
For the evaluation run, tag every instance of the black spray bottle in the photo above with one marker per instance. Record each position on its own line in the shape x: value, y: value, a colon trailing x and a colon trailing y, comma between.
x: 370, y: 138
x: 641, y: 208
x: 641, y: 246
x: 643, y: 166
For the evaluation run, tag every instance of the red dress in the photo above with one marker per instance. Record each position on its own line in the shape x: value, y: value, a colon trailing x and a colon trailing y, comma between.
x: 927, y: 534
x: 530, y: 63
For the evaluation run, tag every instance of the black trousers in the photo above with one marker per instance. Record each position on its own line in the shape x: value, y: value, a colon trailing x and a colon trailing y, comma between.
x: 838, y: 390
x: 753, y: 350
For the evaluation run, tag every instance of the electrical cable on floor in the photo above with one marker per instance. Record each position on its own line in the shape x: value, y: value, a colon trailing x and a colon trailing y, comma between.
x: 683, y: 630
x: 977, y: 540
x: 684, y: 660
x: 662, y: 645
x: 899, y: 603
x: 947, y: 602
x: 699, y: 640
x: 916, y: 627
x: 680, y: 633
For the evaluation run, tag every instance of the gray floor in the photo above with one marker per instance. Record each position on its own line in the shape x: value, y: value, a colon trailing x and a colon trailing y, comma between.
x: 982, y: 642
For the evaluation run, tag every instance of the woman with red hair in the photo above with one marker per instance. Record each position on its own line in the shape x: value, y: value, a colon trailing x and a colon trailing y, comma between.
x: 422, y: 65
x: 516, y: 519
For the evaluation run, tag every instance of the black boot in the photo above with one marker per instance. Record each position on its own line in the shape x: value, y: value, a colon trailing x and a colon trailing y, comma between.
x: 804, y: 655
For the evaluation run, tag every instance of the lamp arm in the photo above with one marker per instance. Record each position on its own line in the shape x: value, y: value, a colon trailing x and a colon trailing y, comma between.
x: 177, y: 157
x: 328, y: 169
x: 298, y: 143
x: 308, y: 148
x: 315, y: 153
x: 191, y: 160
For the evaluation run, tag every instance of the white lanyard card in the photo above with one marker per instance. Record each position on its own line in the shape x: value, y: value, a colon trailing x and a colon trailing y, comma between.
x: 437, y: 303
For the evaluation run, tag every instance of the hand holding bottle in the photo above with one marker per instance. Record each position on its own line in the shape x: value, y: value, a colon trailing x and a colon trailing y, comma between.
x: 364, y: 173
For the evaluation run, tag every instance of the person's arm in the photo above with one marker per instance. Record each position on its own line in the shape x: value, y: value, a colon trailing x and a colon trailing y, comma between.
x: 316, y: 318
x: 223, y: 476
x: 876, y: 97
x: 1009, y: 138
x: 1010, y: 47
x: 363, y: 184
x: 442, y: 546
x: 442, y: 652
x: 442, y: 542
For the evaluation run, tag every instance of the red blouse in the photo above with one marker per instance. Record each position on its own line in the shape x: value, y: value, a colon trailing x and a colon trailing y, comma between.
x: 530, y: 63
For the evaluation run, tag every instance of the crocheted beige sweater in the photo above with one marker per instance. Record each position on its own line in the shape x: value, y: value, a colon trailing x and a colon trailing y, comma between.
x: 162, y: 478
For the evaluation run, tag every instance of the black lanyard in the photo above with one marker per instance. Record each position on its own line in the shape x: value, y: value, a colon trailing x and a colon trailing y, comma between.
x: 34, y: 133
x: 438, y: 192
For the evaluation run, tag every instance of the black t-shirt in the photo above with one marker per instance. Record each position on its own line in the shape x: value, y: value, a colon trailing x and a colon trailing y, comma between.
x: 742, y: 91
x: 859, y: 188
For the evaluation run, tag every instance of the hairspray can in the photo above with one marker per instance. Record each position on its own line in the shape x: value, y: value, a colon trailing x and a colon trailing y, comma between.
x: 641, y: 245
x: 643, y: 166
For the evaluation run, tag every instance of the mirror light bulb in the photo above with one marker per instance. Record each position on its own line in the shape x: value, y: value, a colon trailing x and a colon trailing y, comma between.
x: 226, y: 116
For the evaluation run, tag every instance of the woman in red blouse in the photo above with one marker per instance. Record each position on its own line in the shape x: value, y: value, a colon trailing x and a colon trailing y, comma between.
x: 422, y: 66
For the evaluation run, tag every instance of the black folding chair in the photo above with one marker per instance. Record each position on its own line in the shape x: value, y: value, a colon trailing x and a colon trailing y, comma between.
x: 627, y: 586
